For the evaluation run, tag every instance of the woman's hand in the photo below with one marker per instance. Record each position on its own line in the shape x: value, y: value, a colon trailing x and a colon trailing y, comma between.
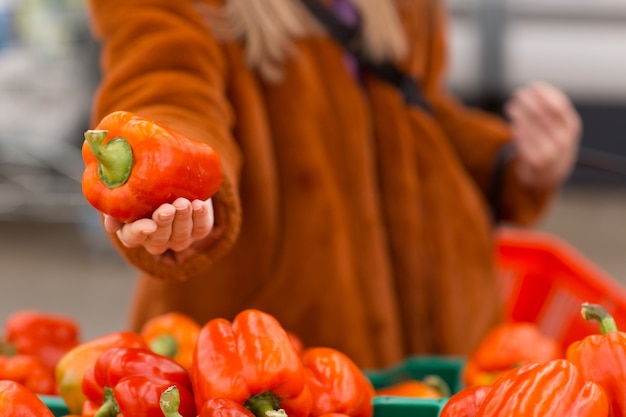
x: 546, y: 131
x: 173, y: 226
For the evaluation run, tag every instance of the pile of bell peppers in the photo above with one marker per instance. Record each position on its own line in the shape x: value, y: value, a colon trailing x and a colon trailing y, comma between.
x: 252, y: 367
x: 588, y: 380
x: 33, y: 342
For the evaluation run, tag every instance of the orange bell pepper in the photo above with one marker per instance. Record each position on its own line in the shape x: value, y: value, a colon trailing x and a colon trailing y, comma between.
x: 601, y: 357
x: 133, y: 165
x: 466, y: 402
x: 551, y: 388
x: 253, y: 362
x: 72, y: 367
x: 430, y: 387
x: 173, y: 335
x: 505, y: 346
x: 337, y: 385
x: 29, y: 371
x: 18, y: 401
x: 45, y: 335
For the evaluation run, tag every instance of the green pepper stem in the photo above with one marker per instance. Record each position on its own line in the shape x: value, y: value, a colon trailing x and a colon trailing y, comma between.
x: 437, y: 382
x: 165, y: 345
x: 109, y: 407
x: 170, y: 401
x: 598, y: 313
x: 115, y: 158
x: 265, y: 404
x: 7, y: 349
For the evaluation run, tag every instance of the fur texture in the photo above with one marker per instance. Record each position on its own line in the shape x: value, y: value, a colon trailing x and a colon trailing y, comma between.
x: 359, y: 223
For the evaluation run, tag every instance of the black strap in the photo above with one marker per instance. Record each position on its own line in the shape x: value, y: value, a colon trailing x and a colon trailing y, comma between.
x: 350, y: 38
x: 505, y: 154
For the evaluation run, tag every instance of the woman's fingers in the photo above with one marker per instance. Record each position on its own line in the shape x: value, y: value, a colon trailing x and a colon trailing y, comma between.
x: 203, y: 218
x: 546, y: 132
x: 173, y: 226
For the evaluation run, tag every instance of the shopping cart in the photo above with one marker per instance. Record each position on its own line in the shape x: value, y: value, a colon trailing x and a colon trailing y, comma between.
x: 545, y: 280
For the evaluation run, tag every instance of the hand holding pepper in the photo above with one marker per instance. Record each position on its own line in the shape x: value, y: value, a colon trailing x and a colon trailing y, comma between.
x: 173, y: 226
x: 134, y: 165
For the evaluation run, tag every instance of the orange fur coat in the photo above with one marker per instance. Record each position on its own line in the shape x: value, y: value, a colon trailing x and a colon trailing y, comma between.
x: 359, y: 223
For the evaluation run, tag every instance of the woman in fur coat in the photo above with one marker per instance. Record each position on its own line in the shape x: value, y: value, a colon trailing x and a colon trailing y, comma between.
x: 360, y: 221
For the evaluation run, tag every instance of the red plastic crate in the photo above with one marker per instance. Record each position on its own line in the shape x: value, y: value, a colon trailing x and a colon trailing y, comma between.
x: 544, y: 280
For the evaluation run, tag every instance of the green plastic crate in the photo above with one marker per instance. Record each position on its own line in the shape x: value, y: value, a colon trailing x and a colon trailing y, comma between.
x: 55, y: 404
x: 448, y: 368
x: 407, y: 407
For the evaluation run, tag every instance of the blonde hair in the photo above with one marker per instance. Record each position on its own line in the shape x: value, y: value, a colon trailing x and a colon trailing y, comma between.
x: 269, y: 27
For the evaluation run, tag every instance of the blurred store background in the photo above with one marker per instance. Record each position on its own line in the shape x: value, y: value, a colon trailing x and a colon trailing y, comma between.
x: 54, y: 257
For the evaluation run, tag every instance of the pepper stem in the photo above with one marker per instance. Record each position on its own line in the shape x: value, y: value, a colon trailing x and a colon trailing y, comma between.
x: 165, y: 345
x: 115, y: 158
x: 170, y: 401
x: 7, y: 349
x: 598, y: 313
x: 109, y: 407
x: 437, y: 382
x: 265, y: 404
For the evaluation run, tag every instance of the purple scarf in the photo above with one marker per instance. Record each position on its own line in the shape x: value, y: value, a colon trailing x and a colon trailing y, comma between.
x: 346, y: 11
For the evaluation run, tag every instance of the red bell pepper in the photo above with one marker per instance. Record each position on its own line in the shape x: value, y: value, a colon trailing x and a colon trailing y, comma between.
x: 337, y: 384
x: 508, y: 345
x: 551, y: 388
x: 223, y: 407
x: 173, y: 335
x: 18, y: 401
x: 29, y: 371
x: 139, y: 396
x: 601, y: 357
x: 74, y: 364
x: 133, y: 165
x: 45, y: 335
x: 466, y: 402
x: 108, y: 383
x: 251, y: 361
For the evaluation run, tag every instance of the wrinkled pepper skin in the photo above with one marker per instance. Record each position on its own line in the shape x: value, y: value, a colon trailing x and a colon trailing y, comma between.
x: 223, y: 407
x: 29, y: 371
x: 601, y: 357
x: 466, y: 402
x: 173, y: 335
x: 337, y: 385
x: 133, y: 165
x: 45, y: 335
x: 508, y: 345
x: 545, y: 389
x: 72, y: 367
x: 18, y: 401
x: 251, y: 361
